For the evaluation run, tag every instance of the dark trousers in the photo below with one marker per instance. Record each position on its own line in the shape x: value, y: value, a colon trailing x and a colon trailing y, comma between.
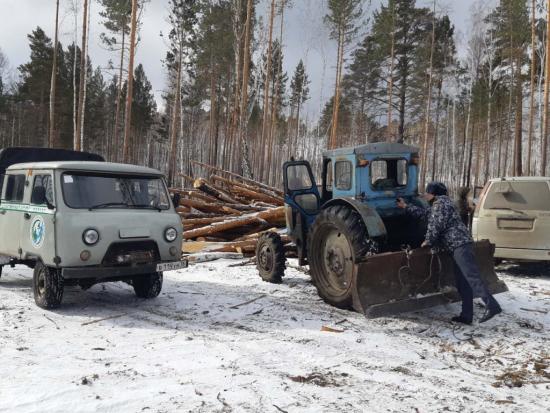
x: 469, y: 282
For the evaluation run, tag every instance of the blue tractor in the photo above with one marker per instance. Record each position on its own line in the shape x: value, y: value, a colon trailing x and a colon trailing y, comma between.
x: 362, y: 250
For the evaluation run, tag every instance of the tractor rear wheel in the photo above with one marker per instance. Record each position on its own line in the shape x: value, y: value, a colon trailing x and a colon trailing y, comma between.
x: 336, y: 241
x: 270, y: 257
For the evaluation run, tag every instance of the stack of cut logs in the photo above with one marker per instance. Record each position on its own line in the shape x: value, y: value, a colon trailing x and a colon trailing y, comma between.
x: 227, y: 212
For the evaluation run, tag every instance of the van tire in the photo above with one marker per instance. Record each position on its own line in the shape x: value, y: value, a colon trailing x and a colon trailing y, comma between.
x: 47, y: 286
x: 148, y: 285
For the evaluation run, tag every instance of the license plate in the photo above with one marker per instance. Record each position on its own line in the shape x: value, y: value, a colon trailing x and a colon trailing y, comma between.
x: 171, y: 266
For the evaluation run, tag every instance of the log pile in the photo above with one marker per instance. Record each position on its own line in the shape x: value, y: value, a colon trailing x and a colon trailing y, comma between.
x: 226, y: 212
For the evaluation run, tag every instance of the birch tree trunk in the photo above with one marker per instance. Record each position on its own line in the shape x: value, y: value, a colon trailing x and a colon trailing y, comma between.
x: 544, y: 144
x: 80, y: 110
x: 267, y: 81
x: 243, y: 122
x: 389, y: 137
x: 428, y: 106
x: 85, y: 76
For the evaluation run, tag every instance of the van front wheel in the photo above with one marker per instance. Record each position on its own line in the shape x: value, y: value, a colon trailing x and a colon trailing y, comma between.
x: 148, y: 286
x: 47, y: 286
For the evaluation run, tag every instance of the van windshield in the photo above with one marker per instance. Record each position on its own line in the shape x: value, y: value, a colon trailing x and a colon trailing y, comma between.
x: 522, y: 196
x: 93, y: 191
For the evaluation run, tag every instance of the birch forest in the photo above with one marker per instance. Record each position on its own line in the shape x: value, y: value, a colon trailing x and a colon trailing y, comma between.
x: 476, y: 104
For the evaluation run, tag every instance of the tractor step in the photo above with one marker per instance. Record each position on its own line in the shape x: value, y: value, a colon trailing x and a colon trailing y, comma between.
x: 396, y: 282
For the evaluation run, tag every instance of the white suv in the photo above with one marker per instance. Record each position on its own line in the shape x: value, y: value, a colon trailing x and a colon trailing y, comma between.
x: 514, y: 214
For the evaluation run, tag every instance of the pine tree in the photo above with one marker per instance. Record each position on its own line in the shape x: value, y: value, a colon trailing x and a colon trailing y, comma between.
x: 342, y: 18
x: 510, y: 26
x: 117, y: 16
x: 299, y: 94
x: 182, y: 39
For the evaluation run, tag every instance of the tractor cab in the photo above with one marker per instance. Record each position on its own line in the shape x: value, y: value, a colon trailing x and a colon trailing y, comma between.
x: 369, y: 177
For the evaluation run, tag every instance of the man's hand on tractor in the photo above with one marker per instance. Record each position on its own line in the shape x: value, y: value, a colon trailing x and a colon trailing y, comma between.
x: 425, y: 244
x: 401, y: 203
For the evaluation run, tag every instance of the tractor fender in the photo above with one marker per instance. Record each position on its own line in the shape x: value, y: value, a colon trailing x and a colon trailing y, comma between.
x: 373, y: 222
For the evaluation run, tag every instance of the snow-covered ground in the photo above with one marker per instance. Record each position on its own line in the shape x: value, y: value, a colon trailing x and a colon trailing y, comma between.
x: 202, y: 346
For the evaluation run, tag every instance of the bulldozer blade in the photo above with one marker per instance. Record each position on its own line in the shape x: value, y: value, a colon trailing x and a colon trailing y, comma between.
x: 396, y: 282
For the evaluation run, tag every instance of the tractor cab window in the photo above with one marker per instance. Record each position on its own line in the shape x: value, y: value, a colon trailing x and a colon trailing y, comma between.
x: 342, y: 174
x: 388, y: 173
x: 329, y: 178
x: 298, y: 178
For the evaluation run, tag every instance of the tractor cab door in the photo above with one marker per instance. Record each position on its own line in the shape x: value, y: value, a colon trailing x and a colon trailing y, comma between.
x: 301, y: 191
x: 302, y: 202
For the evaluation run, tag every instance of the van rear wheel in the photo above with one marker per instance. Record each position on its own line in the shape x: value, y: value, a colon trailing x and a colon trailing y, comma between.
x: 148, y: 285
x: 47, y: 286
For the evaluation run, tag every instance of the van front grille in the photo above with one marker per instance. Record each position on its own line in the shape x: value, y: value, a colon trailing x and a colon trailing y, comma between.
x: 125, y: 254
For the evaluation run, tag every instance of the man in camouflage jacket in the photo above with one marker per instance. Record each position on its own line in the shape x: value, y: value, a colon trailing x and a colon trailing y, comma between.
x: 446, y: 231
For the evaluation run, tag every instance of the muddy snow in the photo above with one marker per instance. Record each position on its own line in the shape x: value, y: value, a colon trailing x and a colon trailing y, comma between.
x: 218, y: 339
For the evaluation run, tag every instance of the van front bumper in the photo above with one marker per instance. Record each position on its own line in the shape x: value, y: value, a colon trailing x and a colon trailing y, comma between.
x: 101, y: 272
x: 522, y: 254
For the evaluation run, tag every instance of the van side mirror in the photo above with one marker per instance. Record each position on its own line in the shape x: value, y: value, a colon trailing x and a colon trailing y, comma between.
x: 176, y: 199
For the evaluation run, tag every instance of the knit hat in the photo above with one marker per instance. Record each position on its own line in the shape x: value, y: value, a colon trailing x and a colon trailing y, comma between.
x: 436, y: 188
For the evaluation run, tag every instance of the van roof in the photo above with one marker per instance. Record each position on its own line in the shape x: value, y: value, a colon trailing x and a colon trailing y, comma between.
x: 88, y: 166
x: 521, y: 178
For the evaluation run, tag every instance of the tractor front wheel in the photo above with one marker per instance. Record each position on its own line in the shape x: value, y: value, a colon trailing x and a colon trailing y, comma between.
x: 270, y: 257
x: 337, y: 240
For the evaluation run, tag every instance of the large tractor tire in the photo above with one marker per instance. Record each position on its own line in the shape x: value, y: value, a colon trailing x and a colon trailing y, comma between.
x: 270, y: 257
x: 148, y: 286
x: 47, y: 286
x: 336, y: 241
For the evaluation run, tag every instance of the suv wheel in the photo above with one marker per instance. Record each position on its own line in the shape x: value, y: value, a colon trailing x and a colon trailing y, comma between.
x: 148, y: 286
x: 47, y: 286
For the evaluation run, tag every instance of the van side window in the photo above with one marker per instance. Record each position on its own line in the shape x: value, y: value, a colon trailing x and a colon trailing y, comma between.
x: 15, y: 188
x: 44, y: 181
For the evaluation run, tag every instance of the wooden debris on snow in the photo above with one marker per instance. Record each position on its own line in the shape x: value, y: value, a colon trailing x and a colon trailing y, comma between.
x: 226, y: 213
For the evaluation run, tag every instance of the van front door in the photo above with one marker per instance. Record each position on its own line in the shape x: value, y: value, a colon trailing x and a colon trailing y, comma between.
x: 37, y: 230
x: 11, y: 213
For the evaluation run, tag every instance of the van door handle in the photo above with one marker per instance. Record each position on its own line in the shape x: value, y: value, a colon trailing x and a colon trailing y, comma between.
x: 27, y: 215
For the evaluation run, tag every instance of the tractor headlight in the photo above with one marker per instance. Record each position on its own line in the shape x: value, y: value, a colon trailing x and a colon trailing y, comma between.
x: 90, y: 236
x: 170, y: 234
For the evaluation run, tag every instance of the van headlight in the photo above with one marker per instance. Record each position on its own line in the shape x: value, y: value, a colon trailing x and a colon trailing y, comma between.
x: 170, y: 234
x: 90, y: 236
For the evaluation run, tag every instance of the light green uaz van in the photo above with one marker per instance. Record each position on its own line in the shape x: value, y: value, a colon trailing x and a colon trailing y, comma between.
x: 82, y: 223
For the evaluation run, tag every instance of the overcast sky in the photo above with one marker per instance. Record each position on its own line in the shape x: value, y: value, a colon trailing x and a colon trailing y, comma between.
x: 304, y: 37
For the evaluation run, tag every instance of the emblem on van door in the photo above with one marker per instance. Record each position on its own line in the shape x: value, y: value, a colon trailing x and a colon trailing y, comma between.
x: 38, y: 231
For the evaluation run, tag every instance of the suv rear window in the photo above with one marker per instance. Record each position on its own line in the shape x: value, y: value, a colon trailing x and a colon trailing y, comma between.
x: 527, y: 196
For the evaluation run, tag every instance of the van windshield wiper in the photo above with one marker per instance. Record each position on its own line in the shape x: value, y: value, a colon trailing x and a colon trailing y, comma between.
x: 146, y: 206
x: 509, y: 209
x: 108, y: 204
